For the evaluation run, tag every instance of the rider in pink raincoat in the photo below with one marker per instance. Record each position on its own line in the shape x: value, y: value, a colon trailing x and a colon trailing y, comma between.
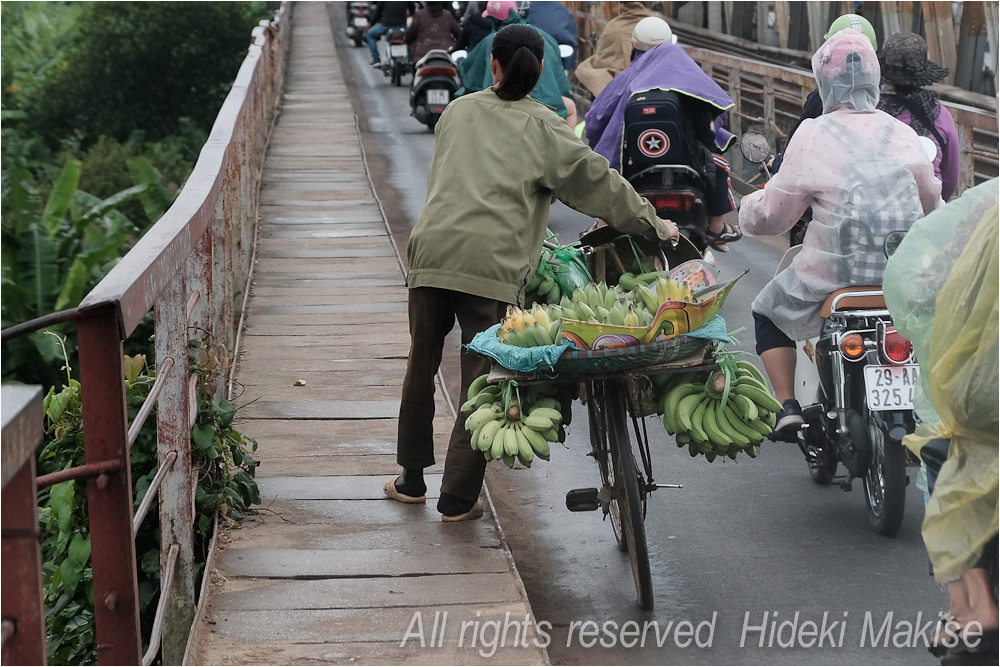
x: 865, y: 174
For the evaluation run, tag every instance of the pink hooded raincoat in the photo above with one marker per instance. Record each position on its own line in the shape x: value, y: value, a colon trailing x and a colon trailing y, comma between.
x: 863, y: 172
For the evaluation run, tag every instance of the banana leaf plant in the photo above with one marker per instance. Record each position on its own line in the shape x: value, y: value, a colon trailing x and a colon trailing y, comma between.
x: 53, y: 252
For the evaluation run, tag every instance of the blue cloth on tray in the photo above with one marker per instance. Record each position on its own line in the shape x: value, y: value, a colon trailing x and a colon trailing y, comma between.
x: 543, y: 357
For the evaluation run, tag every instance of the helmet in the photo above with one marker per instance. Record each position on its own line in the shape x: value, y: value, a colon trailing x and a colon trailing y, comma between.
x: 854, y: 22
x: 649, y: 32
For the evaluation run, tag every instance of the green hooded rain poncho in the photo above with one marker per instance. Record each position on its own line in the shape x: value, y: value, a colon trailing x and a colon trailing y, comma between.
x: 941, y: 287
x: 552, y: 84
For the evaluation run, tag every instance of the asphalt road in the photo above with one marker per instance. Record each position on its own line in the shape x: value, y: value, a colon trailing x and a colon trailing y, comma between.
x: 750, y: 543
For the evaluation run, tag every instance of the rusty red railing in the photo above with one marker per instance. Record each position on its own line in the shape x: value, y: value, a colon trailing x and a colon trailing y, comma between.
x: 191, y: 269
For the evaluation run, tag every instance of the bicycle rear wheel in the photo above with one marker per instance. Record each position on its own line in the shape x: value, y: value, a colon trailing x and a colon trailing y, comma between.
x: 626, y: 492
x: 597, y: 414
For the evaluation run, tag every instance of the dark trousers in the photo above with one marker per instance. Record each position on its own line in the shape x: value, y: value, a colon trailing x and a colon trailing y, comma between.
x: 768, y: 335
x: 432, y: 314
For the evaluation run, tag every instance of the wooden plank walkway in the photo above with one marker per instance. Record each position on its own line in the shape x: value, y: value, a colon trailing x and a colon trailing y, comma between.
x: 330, y: 571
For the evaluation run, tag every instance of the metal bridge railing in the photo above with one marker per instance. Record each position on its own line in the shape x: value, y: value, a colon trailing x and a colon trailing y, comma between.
x: 769, y: 98
x: 191, y: 269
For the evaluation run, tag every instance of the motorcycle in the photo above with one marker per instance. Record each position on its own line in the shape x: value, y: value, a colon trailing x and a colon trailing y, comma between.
x: 864, y: 374
x: 357, y: 21
x: 656, y: 161
x: 394, y: 55
x: 435, y: 81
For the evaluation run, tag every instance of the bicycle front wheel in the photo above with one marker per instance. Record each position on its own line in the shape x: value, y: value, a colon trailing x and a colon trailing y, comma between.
x: 597, y: 412
x: 626, y: 492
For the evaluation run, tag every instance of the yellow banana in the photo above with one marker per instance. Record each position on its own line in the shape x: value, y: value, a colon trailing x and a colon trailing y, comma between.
x: 541, y: 317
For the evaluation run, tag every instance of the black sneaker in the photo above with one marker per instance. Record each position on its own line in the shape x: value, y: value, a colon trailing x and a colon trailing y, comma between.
x: 375, y: 63
x: 789, y: 419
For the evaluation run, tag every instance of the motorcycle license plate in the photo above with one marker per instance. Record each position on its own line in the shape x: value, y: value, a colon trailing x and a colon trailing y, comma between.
x: 437, y: 96
x: 397, y: 50
x: 360, y: 22
x: 891, y: 387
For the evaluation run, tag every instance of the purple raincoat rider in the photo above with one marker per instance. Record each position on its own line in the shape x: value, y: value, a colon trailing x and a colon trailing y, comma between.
x: 658, y: 63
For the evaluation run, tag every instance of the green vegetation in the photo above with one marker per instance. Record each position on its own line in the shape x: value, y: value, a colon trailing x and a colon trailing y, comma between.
x: 223, y: 461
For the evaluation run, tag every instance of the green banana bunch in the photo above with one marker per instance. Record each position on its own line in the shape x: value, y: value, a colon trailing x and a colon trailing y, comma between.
x: 694, y: 412
x: 599, y: 303
x: 521, y: 428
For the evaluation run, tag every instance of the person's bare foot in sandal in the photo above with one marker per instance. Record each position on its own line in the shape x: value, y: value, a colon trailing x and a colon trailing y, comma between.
x: 719, y: 233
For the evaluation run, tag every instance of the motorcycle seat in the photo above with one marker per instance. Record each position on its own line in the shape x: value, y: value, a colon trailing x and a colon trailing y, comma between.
x: 854, y: 302
x: 435, y: 54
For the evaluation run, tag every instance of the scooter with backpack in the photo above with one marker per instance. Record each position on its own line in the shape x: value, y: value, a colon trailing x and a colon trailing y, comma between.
x: 862, y: 375
x: 435, y: 81
x: 664, y: 165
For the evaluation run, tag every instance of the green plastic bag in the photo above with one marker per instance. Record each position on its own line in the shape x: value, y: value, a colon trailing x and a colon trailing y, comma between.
x: 560, y: 270
x: 569, y: 269
x: 959, y: 366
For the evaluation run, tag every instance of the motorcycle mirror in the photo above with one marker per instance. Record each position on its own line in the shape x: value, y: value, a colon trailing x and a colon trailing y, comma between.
x: 892, y: 241
x: 754, y: 146
x: 565, y: 50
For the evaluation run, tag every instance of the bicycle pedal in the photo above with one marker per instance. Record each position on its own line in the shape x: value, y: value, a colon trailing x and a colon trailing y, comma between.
x: 582, y: 500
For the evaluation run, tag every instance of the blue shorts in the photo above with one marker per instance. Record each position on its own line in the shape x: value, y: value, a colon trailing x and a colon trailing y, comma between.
x: 768, y: 335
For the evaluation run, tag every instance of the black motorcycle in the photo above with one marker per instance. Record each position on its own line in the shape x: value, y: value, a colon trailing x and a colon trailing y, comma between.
x: 864, y: 374
x: 660, y: 163
x: 435, y: 81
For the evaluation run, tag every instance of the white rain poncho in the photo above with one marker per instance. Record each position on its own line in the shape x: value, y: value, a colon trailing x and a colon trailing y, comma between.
x: 863, y: 172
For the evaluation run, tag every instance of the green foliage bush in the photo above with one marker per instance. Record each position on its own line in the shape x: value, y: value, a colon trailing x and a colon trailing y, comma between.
x: 144, y: 65
x: 224, y: 464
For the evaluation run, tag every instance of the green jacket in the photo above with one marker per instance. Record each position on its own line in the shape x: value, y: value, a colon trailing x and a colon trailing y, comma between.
x: 497, y: 166
x: 552, y: 85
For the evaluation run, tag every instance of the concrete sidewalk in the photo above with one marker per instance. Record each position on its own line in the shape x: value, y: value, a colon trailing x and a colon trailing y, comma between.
x: 330, y: 571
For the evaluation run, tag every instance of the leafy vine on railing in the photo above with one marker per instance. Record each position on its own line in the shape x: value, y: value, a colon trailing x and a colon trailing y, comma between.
x: 221, y: 457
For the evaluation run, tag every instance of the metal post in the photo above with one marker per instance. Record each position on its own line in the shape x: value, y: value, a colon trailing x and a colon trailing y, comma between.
x: 23, y: 614
x: 173, y: 433
x: 109, y: 496
x: 769, y: 125
x: 22, y: 571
